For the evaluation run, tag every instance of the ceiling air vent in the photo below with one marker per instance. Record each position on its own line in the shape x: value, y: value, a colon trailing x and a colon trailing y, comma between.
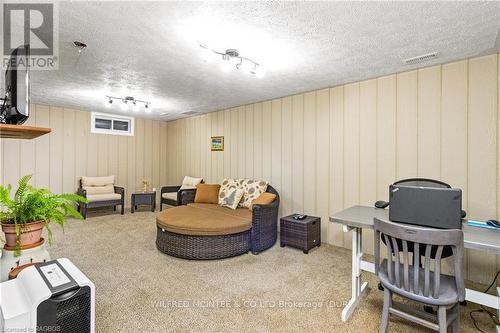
x: 420, y: 58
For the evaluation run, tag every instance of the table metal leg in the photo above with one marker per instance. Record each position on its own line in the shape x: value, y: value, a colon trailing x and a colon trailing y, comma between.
x: 358, y: 289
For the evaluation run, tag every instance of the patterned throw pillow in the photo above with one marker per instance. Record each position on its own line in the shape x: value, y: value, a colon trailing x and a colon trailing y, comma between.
x: 226, y: 185
x: 253, y: 189
x: 232, y: 198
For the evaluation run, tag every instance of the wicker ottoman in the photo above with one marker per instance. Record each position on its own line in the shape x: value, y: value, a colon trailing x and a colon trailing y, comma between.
x: 202, y: 247
x: 302, y: 234
x: 202, y: 231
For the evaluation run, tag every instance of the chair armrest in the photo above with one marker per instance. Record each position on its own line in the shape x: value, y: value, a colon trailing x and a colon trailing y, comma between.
x: 264, y: 225
x: 185, y: 197
x: 81, y: 192
x: 120, y: 190
x: 170, y: 189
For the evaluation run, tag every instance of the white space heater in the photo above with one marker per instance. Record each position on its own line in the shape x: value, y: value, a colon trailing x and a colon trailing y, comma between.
x: 54, y: 296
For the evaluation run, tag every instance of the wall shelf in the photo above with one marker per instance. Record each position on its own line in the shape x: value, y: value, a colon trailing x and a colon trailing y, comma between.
x: 22, y: 132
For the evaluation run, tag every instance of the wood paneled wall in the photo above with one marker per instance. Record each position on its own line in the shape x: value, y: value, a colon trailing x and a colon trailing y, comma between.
x: 329, y: 149
x: 59, y: 159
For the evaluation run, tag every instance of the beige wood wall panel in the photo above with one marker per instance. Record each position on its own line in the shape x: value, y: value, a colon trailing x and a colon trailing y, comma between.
x: 310, y: 153
x: 241, y: 140
x: 92, y: 154
x: 148, y: 151
x: 132, y: 180
x: 257, y: 146
x: 220, y: 156
x: 42, y: 147
x: 56, y: 148
x: 351, y: 148
x: 276, y: 145
x: 454, y: 126
x: 102, y: 155
x: 82, y: 126
x: 227, y: 149
x: 249, y: 140
x: 368, y: 151
x: 163, y: 169
x: 27, y: 152
x: 68, y: 168
x: 234, y: 143
x: 323, y: 159
x: 266, y: 141
x: 286, y: 155
x: 454, y: 132
x: 407, y: 125
x: 155, y: 147
x: 336, y: 235
x: 122, y: 162
x: 429, y: 122
x: 386, y: 135
x: 11, y: 171
x: 112, y: 156
x: 204, y: 146
x: 482, y: 145
x: 139, y: 151
x: 298, y: 153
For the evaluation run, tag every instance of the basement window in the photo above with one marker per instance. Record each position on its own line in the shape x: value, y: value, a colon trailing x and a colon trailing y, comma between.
x: 103, y: 123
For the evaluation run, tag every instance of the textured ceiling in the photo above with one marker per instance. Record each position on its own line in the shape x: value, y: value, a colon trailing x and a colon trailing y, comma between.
x: 149, y: 49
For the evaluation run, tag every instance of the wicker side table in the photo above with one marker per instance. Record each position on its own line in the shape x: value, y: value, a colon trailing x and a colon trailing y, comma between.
x: 302, y: 234
x: 143, y: 198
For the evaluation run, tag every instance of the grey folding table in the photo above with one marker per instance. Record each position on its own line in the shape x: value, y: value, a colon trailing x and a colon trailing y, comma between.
x: 357, y: 218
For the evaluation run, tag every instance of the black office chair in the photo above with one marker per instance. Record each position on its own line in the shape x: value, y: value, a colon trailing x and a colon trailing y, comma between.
x: 424, y: 182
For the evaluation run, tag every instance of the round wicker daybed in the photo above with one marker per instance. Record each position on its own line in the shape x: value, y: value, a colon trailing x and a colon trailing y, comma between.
x: 209, y: 231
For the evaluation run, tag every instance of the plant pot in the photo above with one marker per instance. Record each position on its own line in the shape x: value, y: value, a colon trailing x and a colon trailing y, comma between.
x: 31, y: 233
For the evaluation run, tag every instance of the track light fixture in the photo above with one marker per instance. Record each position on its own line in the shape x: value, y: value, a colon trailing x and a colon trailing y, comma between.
x: 231, y: 58
x: 125, y: 103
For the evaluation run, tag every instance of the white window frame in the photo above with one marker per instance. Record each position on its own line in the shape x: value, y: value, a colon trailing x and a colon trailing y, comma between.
x: 111, y: 117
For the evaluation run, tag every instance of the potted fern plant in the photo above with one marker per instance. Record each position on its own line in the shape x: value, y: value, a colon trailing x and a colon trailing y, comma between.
x: 24, y: 215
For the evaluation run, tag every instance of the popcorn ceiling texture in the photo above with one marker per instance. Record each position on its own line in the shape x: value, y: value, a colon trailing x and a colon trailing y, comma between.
x: 148, y: 49
x: 139, y: 289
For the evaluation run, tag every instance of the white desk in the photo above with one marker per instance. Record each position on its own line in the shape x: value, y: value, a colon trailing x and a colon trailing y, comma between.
x: 357, y: 218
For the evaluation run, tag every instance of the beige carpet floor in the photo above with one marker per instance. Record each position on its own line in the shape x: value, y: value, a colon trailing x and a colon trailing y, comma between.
x: 139, y: 289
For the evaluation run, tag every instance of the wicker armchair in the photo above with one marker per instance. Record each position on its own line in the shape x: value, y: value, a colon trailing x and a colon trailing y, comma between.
x: 264, y: 231
x: 99, y: 196
x: 172, y: 195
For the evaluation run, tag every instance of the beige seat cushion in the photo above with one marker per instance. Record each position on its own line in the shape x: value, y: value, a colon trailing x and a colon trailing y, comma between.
x: 170, y: 196
x: 103, y: 197
x: 197, y: 221
x: 99, y: 189
x: 98, y: 185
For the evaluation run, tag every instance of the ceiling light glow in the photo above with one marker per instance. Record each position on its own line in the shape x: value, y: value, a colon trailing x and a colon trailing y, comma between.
x: 125, y: 102
x: 231, y: 59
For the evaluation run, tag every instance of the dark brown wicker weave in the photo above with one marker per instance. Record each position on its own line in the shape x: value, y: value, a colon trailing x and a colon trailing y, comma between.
x: 82, y: 208
x: 202, y: 247
x: 302, y: 234
x: 260, y: 237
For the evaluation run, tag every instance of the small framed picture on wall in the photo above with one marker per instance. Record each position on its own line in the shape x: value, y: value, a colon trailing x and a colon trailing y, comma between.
x: 217, y: 143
